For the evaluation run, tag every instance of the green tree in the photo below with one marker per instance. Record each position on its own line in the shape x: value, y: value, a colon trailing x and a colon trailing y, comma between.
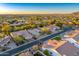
x: 57, y: 38
x: 6, y: 29
x: 59, y: 24
x: 45, y: 30
x: 19, y: 39
x: 46, y: 52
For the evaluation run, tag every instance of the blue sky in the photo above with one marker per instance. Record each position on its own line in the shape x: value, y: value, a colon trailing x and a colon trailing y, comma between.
x: 40, y: 7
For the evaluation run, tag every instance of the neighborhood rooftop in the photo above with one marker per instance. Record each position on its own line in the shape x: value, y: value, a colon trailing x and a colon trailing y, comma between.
x: 68, y: 49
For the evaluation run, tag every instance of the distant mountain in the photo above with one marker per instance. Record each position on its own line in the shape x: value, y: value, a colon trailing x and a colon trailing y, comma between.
x: 76, y: 13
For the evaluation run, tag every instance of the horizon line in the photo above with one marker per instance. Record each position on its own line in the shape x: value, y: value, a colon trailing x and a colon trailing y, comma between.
x: 15, y: 12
